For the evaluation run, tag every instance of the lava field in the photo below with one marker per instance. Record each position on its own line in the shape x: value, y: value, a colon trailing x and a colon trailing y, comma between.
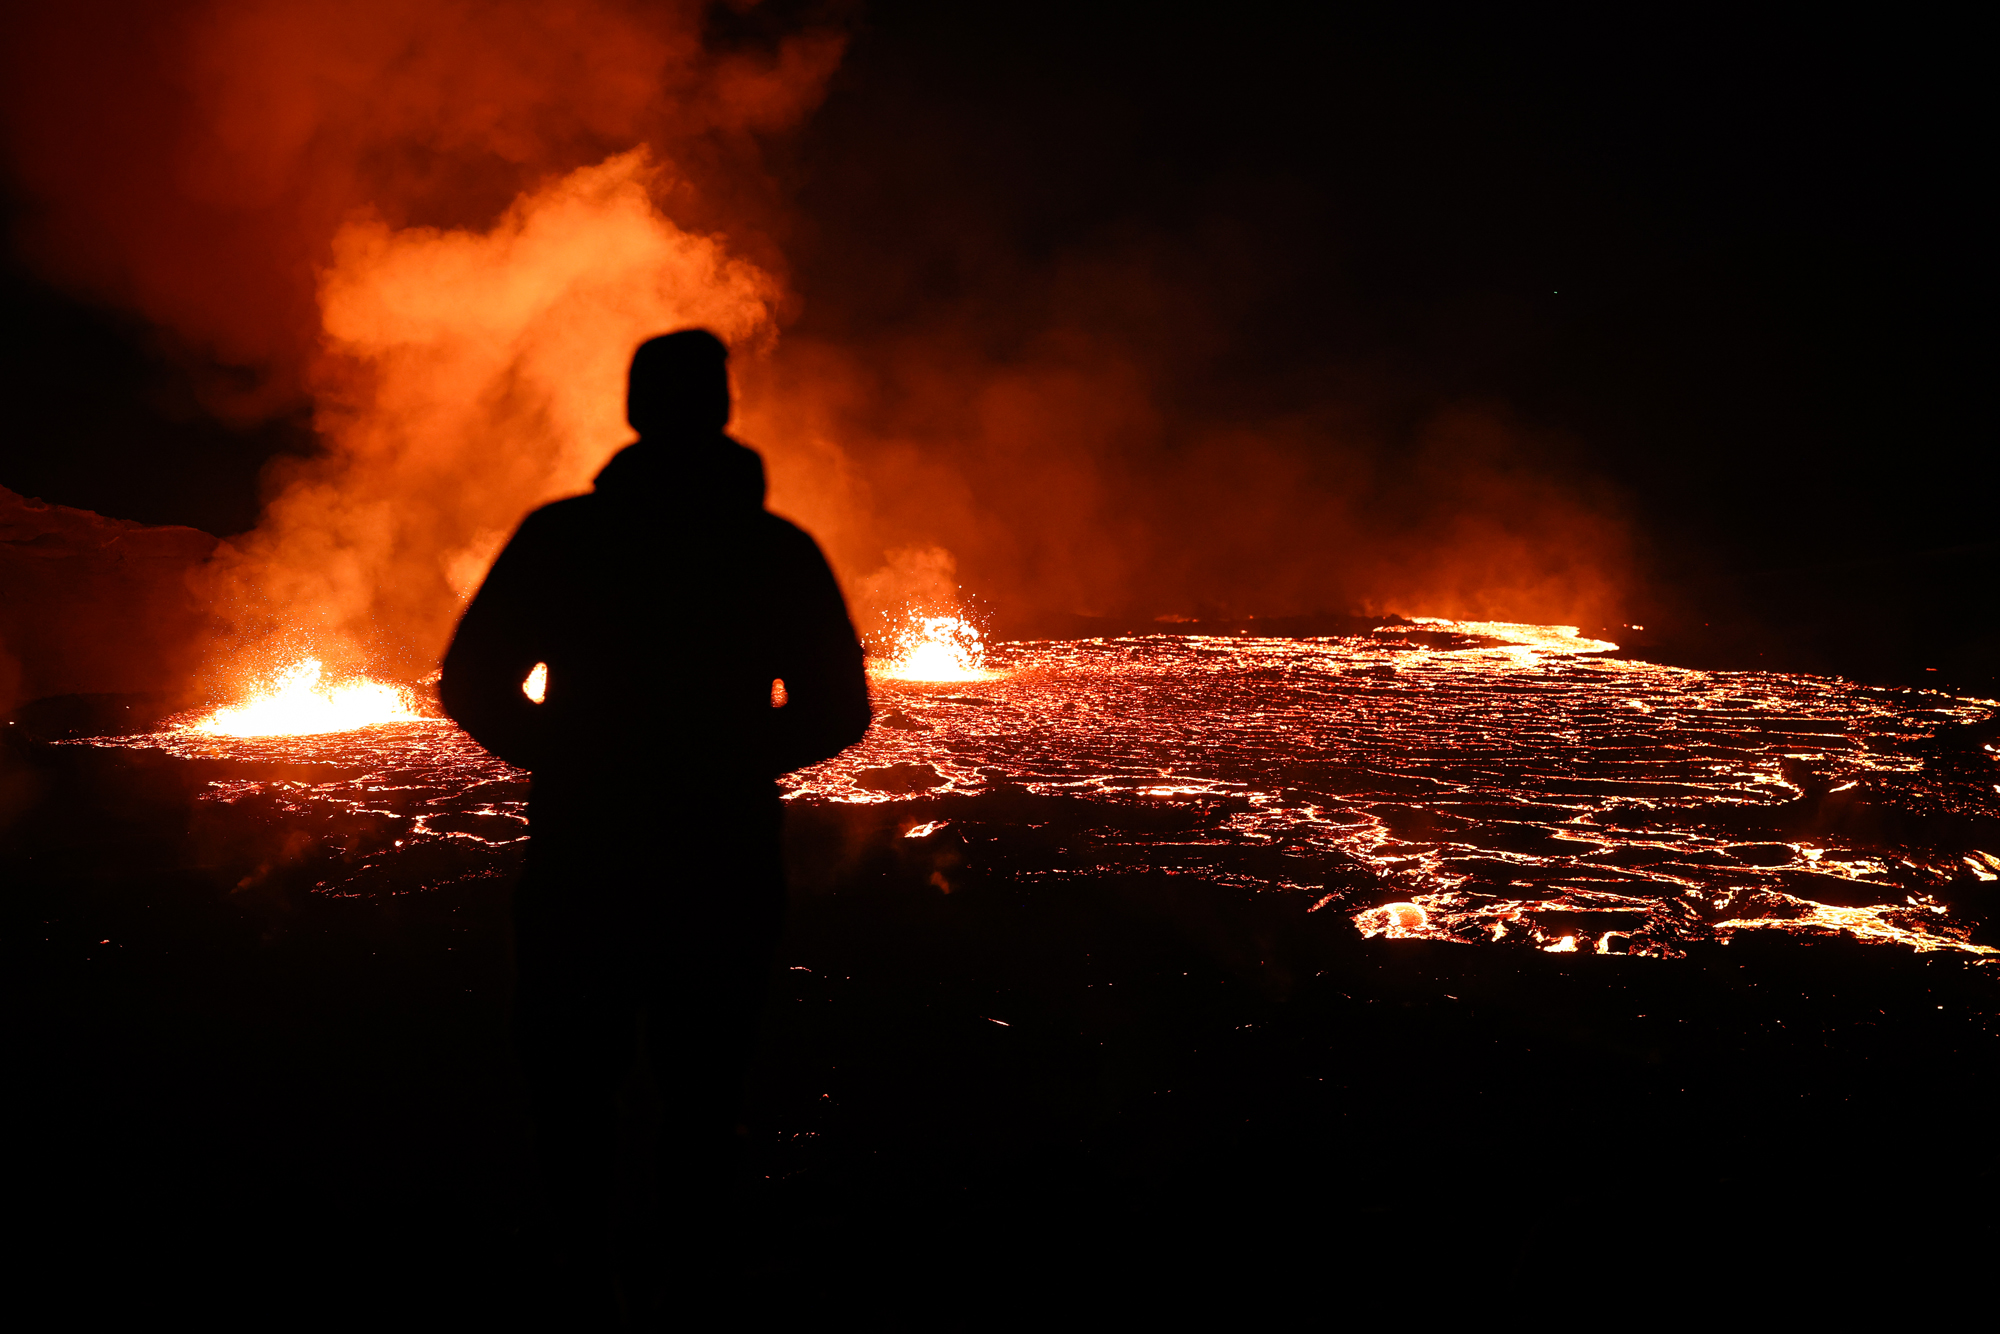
x: 1155, y: 956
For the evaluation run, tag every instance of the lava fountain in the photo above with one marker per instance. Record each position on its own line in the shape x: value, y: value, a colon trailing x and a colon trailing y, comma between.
x: 937, y: 648
x: 301, y: 701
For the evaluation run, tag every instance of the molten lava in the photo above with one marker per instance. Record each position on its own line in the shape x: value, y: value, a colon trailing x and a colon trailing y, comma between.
x: 300, y: 702
x: 1399, y: 921
x: 938, y: 648
x: 1490, y: 785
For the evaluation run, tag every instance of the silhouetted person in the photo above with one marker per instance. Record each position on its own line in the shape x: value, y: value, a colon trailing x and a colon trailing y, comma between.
x: 665, y: 604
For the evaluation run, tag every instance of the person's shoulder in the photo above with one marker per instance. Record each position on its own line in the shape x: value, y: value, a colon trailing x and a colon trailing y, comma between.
x: 568, y: 509
x: 548, y: 533
x: 563, y: 515
x: 786, y: 537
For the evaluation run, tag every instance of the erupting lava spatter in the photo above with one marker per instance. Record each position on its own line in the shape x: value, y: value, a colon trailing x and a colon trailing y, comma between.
x: 938, y: 648
x: 300, y: 702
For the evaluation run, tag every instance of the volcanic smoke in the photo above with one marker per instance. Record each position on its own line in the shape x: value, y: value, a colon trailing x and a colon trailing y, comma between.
x: 447, y: 229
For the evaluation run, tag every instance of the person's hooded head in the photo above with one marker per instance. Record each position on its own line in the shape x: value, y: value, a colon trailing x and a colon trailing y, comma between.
x: 678, y: 401
x: 679, y: 386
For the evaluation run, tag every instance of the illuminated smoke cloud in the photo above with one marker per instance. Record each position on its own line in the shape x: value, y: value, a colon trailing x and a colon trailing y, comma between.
x: 444, y: 226
x: 911, y: 583
x: 472, y: 376
x: 1062, y: 479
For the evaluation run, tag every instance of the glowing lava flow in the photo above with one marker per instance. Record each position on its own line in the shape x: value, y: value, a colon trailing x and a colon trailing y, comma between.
x: 300, y: 703
x: 938, y: 648
x: 1479, y: 784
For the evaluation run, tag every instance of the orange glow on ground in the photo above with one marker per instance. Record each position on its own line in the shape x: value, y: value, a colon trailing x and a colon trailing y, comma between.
x: 299, y: 701
x: 938, y: 648
x: 1507, y: 796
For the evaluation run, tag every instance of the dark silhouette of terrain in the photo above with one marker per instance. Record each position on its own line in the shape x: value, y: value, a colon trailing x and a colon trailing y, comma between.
x: 91, y: 605
x: 256, y: 1098
x: 665, y: 605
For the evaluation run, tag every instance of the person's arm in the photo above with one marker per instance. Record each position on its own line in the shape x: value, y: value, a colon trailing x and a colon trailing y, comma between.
x: 497, y: 645
x: 826, y: 687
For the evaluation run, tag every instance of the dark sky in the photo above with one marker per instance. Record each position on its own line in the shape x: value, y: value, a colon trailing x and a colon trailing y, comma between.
x: 1726, y: 264
x: 1730, y: 259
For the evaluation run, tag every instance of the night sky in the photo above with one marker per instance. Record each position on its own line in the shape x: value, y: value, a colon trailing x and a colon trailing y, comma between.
x: 1721, y: 268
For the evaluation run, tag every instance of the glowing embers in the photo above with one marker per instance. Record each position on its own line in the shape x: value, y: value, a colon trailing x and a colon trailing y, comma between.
x: 937, y: 648
x: 1921, y: 924
x: 1581, y: 921
x: 1398, y: 921
x: 1574, y: 923
x: 299, y: 701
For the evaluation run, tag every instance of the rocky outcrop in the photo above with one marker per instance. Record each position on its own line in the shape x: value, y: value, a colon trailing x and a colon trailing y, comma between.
x: 93, y: 605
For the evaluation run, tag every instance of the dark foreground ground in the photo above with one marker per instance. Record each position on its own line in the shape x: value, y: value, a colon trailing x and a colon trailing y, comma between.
x: 247, y: 1100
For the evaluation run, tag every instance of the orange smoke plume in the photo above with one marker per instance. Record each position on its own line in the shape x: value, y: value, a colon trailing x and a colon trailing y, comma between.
x: 469, y: 377
x: 444, y: 224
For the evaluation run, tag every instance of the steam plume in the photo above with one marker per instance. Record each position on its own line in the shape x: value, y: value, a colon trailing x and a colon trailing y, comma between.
x: 471, y: 376
x: 447, y: 226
